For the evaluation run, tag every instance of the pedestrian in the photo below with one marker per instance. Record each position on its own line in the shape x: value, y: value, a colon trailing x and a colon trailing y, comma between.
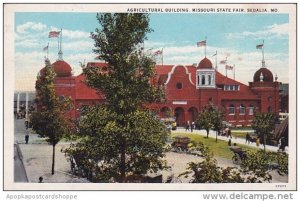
x: 41, y: 179
x: 248, y: 138
x: 193, y: 126
x: 229, y: 133
x: 229, y: 142
x: 257, y: 142
x: 26, y: 138
x: 187, y: 127
x: 282, y: 144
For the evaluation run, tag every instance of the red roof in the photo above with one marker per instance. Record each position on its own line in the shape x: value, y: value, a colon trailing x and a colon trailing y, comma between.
x: 163, y: 69
x: 162, y: 76
x: 85, y: 92
x: 223, y: 80
x: 267, y: 75
x: 97, y: 64
x: 205, y: 63
x: 62, y: 69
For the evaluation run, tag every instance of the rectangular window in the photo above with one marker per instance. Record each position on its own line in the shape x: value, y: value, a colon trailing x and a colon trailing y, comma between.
x: 231, y: 110
x: 251, y: 110
x: 242, y: 110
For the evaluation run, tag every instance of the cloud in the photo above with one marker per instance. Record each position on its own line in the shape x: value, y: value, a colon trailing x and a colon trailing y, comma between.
x: 72, y: 34
x: 24, y: 28
x: 273, y: 31
x: 83, y: 44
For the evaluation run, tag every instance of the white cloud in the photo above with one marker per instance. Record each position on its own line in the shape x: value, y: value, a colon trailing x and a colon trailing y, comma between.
x: 279, y: 29
x: 27, y: 43
x: 82, y: 45
x: 72, y: 34
x: 24, y: 28
x: 273, y: 31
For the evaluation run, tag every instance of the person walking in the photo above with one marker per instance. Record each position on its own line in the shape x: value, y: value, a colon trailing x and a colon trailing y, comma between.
x: 248, y: 138
x: 187, y: 127
x: 229, y: 133
x: 192, y: 126
x: 257, y: 142
x: 26, y: 138
x: 229, y: 142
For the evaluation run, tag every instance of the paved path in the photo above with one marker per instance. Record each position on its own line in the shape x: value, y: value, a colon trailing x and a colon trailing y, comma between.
x: 37, y: 158
x: 212, y: 134
x: 19, y: 169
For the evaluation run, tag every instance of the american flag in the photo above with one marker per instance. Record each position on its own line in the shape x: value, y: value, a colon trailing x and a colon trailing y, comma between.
x: 46, y: 48
x: 201, y: 43
x: 54, y: 34
x: 223, y: 62
x: 259, y: 46
x: 158, y: 52
x: 229, y: 67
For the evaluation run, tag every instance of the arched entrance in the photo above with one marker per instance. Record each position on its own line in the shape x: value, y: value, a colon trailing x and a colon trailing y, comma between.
x: 193, y: 114
x: 179, y: 115
x: 165, y: 112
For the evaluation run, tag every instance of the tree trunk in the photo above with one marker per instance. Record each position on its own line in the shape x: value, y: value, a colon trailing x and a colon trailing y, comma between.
x: 207, y: 131
x: 265, y: 142
x: 123, y: 161
x: 53, y: 159
x: 217, y: 132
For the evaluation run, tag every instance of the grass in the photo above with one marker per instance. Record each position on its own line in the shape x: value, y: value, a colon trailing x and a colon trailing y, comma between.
x: 238, y: 134
x: 220, y: 148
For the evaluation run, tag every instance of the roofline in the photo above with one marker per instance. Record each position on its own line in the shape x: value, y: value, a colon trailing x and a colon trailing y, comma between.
x: 173, y: 70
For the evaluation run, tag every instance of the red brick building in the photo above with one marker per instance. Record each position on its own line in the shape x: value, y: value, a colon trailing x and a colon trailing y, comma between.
x: 187, y: 90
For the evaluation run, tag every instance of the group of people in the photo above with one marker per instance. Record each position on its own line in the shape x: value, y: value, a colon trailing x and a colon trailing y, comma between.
x: 249, y: 140
x: 189, y: 126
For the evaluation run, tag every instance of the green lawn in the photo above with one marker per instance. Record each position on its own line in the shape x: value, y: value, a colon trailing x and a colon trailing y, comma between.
x: 220, y: 149
x: 238, y: 134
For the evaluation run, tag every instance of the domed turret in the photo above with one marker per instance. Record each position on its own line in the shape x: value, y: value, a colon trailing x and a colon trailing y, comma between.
x: 205, y: 75
x: 62, y: 68
x: 266, y: 75
x: 205, y: 63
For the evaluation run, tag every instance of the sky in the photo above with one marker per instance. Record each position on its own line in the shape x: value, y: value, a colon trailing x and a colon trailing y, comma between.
x: 234, y: 36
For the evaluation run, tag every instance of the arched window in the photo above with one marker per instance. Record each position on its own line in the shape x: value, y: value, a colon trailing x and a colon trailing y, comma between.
x: 231, y: 109
x: 179, y: 85
x: 242, y: 109
x: 270, y: 98
x: 251, y: 109
x: 203, y: 80
x: 269, y: 109
x: 209, y: 79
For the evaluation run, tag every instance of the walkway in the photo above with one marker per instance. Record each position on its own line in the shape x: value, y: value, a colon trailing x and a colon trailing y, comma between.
x: 212, y: 134
x: 37, y: 158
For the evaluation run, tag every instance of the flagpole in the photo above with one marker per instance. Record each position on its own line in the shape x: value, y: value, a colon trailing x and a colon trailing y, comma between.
x: 226, y: 66
x: 47, y: 50
x: 234, y: 71
x: 60, y: 38
x: 263, y: 54
x: 205, y: 47
x: 216, y: 60
x: 162, y: 56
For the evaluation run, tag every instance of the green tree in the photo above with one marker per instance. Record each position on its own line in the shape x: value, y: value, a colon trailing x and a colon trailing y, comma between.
x: 121, y: 133
x: 254, y: 169
x: 217, y: 121
x: 50, y: 120
x: 208, y: 170
x: 258, y: 164
x: 264, y: 124
x: 204, y: 120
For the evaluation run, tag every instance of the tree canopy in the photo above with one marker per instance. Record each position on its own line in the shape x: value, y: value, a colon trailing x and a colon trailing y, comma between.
x: 50, y: 120
x: 122, y: 134
x: 264, y: 124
